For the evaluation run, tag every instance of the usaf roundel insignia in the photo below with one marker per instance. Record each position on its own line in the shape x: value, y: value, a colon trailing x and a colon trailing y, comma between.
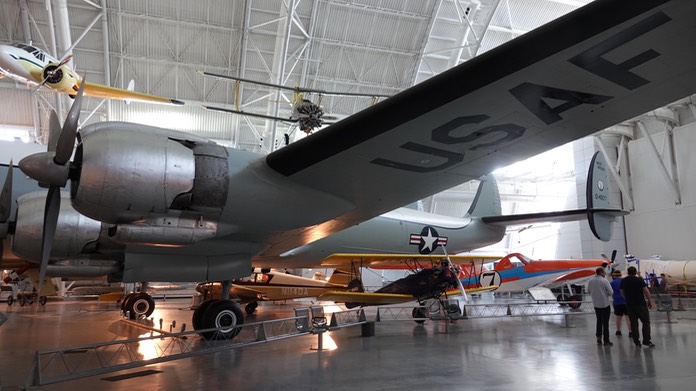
x: 428, y: 240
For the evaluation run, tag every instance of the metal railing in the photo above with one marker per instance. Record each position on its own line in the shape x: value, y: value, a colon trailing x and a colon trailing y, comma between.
x: 74, y: 362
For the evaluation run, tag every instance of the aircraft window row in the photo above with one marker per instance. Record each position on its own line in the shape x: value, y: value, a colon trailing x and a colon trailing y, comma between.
x: 37, y: 53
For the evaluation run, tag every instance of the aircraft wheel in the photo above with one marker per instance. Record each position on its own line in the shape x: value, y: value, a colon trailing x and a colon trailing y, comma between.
x: 356, y: 285
x: 560, y: 298
x: 197, y: 318
x: 124, y: 300
x: 251, y: 307
x: 140, y: 304
x: 10, y: 300
x: 222, y: 315
x: 575, y: 302
x: 42, y: 300
x: 22, y: 300
x: 418, y: 313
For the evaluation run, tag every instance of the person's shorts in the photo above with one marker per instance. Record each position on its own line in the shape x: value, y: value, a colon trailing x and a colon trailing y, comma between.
x: 619, y: 309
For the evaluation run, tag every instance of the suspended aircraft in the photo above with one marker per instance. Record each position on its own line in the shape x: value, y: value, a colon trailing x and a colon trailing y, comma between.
x: 305, y: 113
x: 274, y: 285
x: 183, y: 208
x: 33, y: 66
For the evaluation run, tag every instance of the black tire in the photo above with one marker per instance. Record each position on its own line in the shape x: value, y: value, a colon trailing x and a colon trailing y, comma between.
x: 42, y: 300
x: 222, y: 315
x: 574, y: 302
x: 124, y: 300
x: 22, y: 300
x: 418, y: 312
x: 251, y: 307
x: 10, y: 300
x: 356, y: 285
x: 140, y: 304
x: 197, y: 318
x: 561, y: 298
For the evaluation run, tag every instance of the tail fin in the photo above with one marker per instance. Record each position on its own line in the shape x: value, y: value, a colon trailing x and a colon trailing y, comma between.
x: 600, y: 214
x: 487, y: 200
x: 340, y: 277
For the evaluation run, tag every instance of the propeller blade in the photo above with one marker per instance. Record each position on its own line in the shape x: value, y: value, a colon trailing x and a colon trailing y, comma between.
x: 613, y: 255
x: 66, y: 140
x: 54, y: 130
x: 49, y: 230
x: 6, y: 196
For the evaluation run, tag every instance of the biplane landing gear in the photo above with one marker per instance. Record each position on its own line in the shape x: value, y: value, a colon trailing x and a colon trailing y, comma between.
x: 221, y: 314
x: 251, y: 307
x: 417, y: 313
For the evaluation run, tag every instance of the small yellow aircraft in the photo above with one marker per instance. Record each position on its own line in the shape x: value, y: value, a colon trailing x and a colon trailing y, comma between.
x: 272, y: 285
x: 30, y: 65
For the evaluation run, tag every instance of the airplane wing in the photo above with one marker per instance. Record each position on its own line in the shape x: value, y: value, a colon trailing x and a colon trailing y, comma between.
x: 399, y: 261
x: 456, y: 292
x: 294, y: 89
x: 106, y: 92
x: 575, y: 277
x: 365, y: 297
x: 593, y: 68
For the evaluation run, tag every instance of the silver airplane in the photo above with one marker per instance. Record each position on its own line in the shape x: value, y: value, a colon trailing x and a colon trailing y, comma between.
x: 183, y: 208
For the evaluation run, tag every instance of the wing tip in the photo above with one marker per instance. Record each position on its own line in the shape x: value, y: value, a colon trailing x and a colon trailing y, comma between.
x: 177, y: 102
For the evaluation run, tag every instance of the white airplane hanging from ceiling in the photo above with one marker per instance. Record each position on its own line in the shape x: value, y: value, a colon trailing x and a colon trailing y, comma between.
x: 31, y: 65
x: 186, y: 209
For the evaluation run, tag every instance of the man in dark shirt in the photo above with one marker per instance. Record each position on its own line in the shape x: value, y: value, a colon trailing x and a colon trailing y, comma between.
x: 635, y: 292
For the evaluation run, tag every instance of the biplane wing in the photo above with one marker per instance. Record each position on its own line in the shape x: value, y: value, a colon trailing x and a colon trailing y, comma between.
x: 400, y: 261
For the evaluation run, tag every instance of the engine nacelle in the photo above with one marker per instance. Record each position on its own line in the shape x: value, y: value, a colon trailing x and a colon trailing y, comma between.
x: 61, y: 79
x: 128, y: 172
x: 75, y: 235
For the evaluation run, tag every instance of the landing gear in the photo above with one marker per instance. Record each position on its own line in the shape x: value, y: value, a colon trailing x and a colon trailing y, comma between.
x: 417, y: 313
x: 574, y: 301
x: 10, y: 300
x: 138, y: 305
x: 251, y: 307
x: 220, y: 314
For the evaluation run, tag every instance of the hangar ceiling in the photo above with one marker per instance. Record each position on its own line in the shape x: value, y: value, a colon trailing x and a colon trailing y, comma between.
x: 367, y: 46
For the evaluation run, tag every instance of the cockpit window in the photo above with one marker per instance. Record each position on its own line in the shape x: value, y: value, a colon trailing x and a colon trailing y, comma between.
x: 38, y: 54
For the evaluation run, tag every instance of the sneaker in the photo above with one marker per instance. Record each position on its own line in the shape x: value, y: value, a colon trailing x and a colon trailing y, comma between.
x: 599, y: 341
x: 649, y: 344
x: 637, y: 343
x: 608, y: 343
x: 630, y: 334
x: 618, y: 332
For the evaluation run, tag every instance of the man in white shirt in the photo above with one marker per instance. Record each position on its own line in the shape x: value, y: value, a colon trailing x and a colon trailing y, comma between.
x: 601, y: 292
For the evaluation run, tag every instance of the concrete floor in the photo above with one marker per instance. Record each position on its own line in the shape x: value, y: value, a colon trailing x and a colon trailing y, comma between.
x: 487, y: 354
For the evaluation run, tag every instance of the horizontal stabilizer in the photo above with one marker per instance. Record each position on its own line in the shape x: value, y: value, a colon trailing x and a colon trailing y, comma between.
x: 598, y: 213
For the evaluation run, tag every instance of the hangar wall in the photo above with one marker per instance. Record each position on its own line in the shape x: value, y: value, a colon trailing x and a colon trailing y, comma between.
x: 660, y: 225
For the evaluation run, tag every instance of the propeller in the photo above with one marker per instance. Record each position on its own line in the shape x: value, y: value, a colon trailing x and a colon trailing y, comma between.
x: 611, y: 260
x: 455, y: 271
x: 51, y: 70
x: 5, y: 207
x: 52, y: 169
